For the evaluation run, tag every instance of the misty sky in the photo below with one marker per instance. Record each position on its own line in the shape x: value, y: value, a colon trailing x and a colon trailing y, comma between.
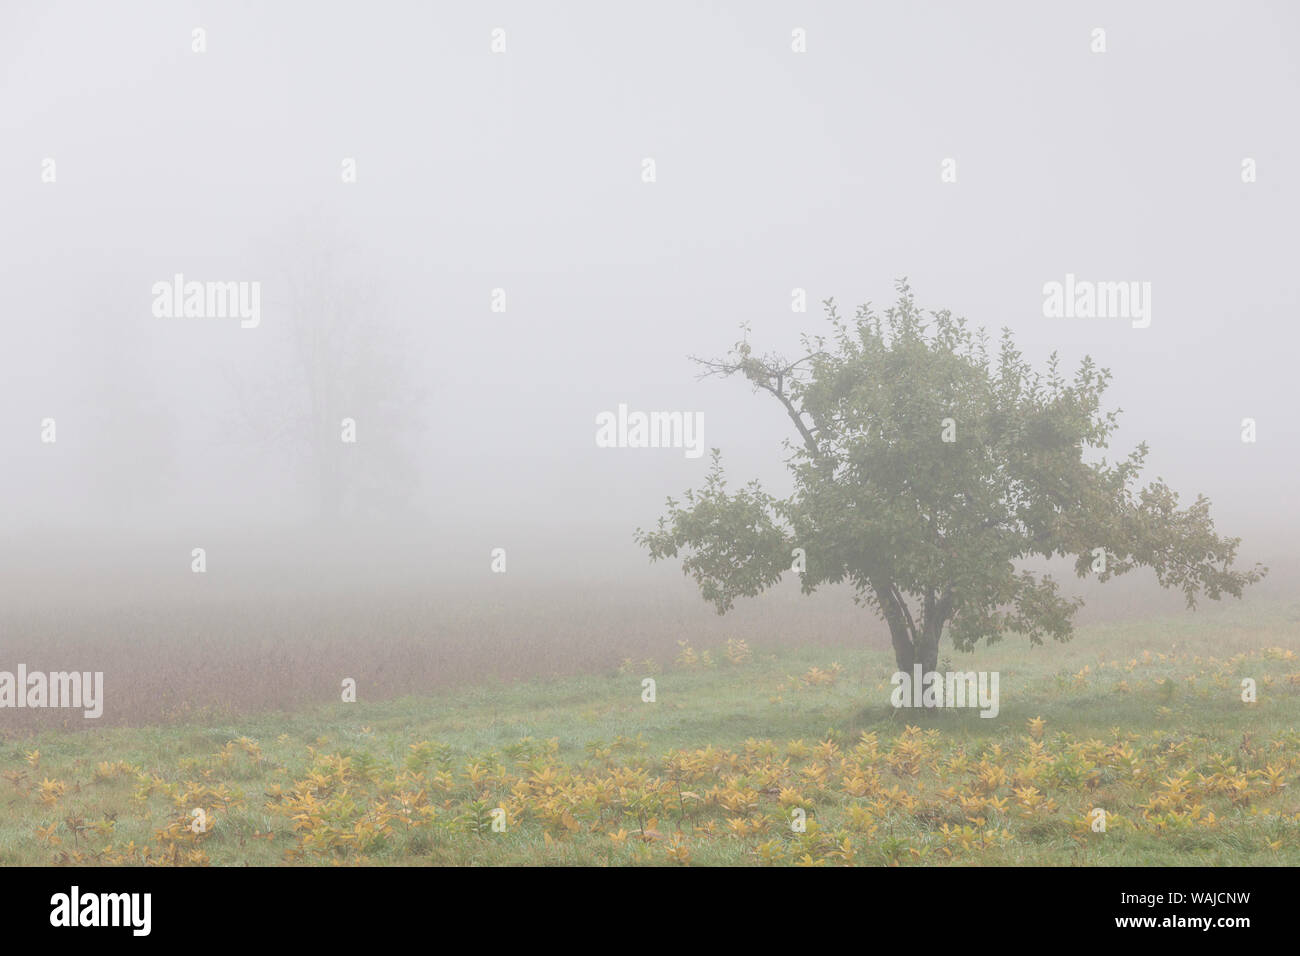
x: 522, y: 170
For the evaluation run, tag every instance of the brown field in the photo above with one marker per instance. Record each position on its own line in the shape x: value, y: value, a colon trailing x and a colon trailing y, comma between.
x: 270, y: 639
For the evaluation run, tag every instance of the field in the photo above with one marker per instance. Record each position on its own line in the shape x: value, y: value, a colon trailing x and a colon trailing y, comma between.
x: 1144, y: 720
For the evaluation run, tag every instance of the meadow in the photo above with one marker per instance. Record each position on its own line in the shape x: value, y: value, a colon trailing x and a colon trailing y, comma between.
x: 1143, y: 719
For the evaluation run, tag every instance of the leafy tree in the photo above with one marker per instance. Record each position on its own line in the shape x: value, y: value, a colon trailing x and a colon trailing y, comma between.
x: 928, y: 471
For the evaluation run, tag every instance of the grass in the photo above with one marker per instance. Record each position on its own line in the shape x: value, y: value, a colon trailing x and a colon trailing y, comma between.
x: 1144, y: 720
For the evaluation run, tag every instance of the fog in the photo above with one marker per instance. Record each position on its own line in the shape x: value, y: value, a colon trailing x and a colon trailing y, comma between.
x: 523, y: 171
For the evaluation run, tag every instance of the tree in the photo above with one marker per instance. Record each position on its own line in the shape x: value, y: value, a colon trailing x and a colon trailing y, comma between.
x: 927, y: 473
x: 338, y: 354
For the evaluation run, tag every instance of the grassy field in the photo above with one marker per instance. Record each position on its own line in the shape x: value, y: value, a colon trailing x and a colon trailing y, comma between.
x: 1144, y: 720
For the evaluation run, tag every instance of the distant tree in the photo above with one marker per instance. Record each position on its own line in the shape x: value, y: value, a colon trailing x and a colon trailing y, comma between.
x: 926, y: 471
x: 340, y: 356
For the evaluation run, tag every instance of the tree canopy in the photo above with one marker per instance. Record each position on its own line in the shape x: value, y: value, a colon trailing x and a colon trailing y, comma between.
x: 930, y: 468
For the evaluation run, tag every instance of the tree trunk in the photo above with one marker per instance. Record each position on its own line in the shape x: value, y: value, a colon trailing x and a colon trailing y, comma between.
x: 927, y: 654
x: 913, y: 645
x: 924, y: 651
x: 904, y: 652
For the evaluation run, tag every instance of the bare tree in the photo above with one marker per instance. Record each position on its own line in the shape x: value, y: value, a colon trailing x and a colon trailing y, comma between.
x: 340, y: 372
